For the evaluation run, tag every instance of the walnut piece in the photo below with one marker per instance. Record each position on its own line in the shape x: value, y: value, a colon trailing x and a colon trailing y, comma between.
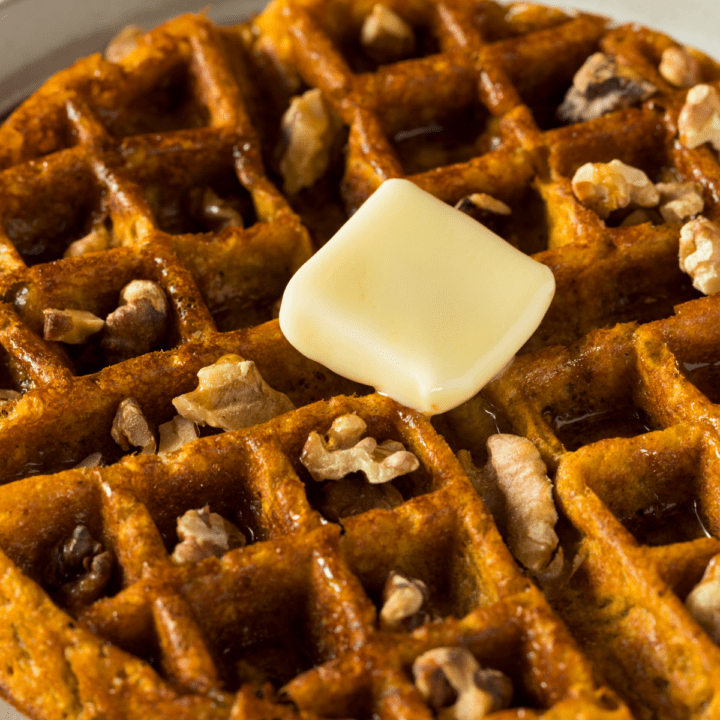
x: 217, y: 213
x: 600, y: 86
x: 385, y: 36
x: 703, y: 601
x: 699, y: 120
x: 515, y: 466
x: 130, y: 428
x: 446, y: 673
x: 680, y: 200
x: 95, y: 241
x: 482, y: 203
x: 309, y: 128
x: 175, y: 433
x: 641, y: 216
x: 403, y: 599
x: 526, y: 17
x: 679, y: 67
x: 232, y: 395
x: 204, y: 534
x: 78, y: 569
x: 7, y: 396
x: 72, y: 327
x: 140, y: 322
x: 700, y: 254
x: 123, y: 43
x: 344, y: 453
x: 604, y: 187
x: 93, y: 460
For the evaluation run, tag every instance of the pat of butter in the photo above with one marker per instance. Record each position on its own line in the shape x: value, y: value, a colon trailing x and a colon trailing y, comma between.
x: 416, y: 299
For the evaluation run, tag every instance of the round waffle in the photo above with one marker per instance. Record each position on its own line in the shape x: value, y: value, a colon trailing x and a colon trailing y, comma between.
x: 168, y: 163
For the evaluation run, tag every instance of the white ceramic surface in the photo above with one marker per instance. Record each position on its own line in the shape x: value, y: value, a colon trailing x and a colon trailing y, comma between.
x: 38, y: 37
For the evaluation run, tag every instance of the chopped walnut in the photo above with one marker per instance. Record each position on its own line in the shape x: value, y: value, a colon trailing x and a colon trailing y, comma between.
x: 130, y: 428
x: 175, y: 433
x: 482, y: 203
x: 93, y: 460
x: 9, y: 396
x: 604, y: 187
x: 204, y: 534
x: 680, y: 68
x: 73, y: 327
x: 123, y: 43
x: 515, y: 466
x: 680, y: 200
x: 700, y: 254
x: 218, y: 213
x: 344, y: 453
x: 600, y: 86
x: 526, y: 17
x: 452, y: 682
x: 78, y: 569
x: 703, y: 601
x: 309, y: 128
x: 385, y: 36
x: 640, y: 216
x: 232, y: 395
x: 140, y: 322
x: 699, y: 120
x: 403, y: 599
x: 95, y: 241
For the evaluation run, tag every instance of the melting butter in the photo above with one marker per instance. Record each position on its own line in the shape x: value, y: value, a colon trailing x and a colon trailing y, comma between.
x: 416, y: 299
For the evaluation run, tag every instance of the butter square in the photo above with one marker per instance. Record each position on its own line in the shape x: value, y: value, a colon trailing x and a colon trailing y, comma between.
x: 416, y: 299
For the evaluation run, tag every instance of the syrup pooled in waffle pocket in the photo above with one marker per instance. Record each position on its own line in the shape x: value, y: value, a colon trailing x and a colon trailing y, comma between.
x: 198, y: 521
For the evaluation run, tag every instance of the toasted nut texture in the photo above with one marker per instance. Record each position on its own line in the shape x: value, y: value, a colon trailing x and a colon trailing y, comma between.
x: 526, y: 17
x: 344, y: 453
x: 700, y: 254
x: 680, y: 200
x: 93, y: 460
x: 78, y: 569
x: 123, y: 43
x: 640, y: 216
x: 403, y: 599
x: 140, y: 322
x: 9, y: 396
x: 679, y: 67
x: 482, y: 203
x: 309, y: 128
x: 703, y: 601
x: 515, y: 466
x: 232, y: 395
x: 385, y: 36
x: 130, y: 428
x: 175, y: 433
x: 73, y: 327
x: 604, y: 187
x: 699, y: 120
x: 204, y: 534
x: 479, y: 691
x: 601, y: 86
x: 95, y: 241
x: 213, y: 210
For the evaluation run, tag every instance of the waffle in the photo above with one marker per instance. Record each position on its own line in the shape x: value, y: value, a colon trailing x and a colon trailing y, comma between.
x: 616, y: 388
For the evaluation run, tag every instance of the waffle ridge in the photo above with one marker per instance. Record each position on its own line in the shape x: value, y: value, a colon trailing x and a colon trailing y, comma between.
x: 617, y: 388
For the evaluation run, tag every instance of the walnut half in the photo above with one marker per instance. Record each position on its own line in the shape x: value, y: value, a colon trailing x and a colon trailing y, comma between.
x: 703, y: 602
x: 403, y: 599
x: 204, y: 534
x: 700, y: 254
x: 699, y: 120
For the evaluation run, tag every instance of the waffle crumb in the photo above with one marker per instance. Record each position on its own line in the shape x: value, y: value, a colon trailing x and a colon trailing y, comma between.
x: 175, y: 433
x: 604, y: 187
x: 700, y: 254
x: 679, y: 67
x: 309, y: 129
x: 385, y: 36
x: 601, y: 86
x: 345, y: 453
x: 73, y: 327
x: 452, y: 683
x: 699, y: 119
x: 205, y: 534
x: 232, y: 395
x: 515, y: 466
x: 130, y: 428
x: 125, y: 42
x: 703, y: 601
x: 680, y: 200
x: 403, y: 599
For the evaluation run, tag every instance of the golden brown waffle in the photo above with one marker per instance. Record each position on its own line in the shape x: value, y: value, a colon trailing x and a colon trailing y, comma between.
x: 287, y: 626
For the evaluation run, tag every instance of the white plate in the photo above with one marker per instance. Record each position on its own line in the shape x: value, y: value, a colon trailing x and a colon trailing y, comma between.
x: 38, y: 37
